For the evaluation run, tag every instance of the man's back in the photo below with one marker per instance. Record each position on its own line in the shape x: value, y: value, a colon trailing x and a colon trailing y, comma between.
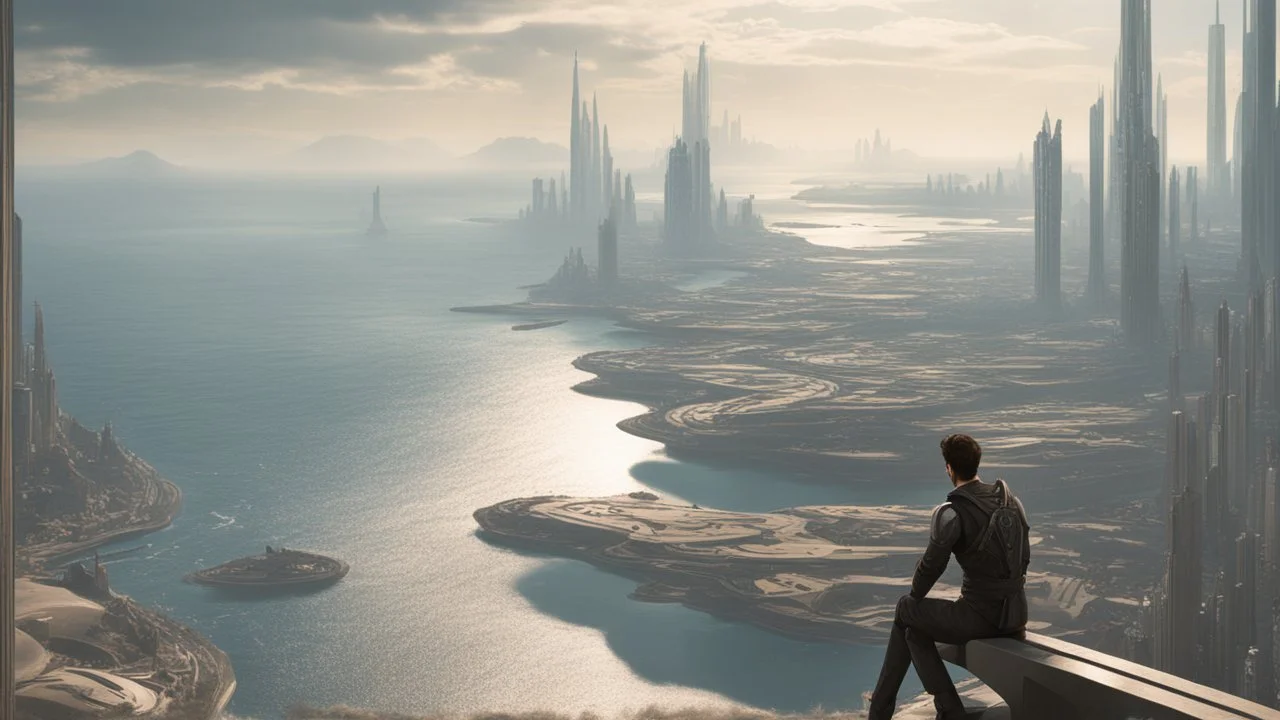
x: 993, y: 574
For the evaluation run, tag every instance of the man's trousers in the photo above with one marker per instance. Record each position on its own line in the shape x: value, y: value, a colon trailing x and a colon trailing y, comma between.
x: 917, y: 626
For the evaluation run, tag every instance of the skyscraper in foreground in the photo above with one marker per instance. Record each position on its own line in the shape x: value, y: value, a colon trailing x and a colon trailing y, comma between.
x: 1048, y: 197
x: 1219, y: 184
x: 7, y: 608
x: 1259, y: 258
x: 1097, y: 171
x: 1140, y: 180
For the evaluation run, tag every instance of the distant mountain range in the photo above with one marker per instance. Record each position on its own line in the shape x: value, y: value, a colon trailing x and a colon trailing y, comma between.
x: 348, y: 154
x: 140, y: 164
x: 358, y: 153
x: 518, y: 152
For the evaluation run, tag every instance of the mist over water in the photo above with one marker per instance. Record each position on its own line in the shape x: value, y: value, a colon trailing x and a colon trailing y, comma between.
x: 307, y: 387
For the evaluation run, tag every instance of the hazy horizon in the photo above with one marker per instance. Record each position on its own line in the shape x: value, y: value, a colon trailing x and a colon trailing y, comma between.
x: 966, y: 81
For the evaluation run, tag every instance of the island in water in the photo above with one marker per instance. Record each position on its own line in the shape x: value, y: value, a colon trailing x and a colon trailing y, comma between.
x: 273, y: 569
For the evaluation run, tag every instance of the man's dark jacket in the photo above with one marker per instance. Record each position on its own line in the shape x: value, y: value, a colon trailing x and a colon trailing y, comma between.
x: 994, y: 590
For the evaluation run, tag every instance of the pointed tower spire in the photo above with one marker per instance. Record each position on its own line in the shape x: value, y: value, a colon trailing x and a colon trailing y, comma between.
x: 575, y: 150
x: 596, y: 161
x: 606, y: 172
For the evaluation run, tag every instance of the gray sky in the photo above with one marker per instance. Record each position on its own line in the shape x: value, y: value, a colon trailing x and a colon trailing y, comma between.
x: 202, y: 80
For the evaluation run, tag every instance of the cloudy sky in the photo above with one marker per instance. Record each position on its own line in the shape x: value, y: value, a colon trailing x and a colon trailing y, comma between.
x: 199, y: 81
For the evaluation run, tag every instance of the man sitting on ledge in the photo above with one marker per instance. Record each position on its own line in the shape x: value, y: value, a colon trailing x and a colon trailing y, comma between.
x: 986, y: 528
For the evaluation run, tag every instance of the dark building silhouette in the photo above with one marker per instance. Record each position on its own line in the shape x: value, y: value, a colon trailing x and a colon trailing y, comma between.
x: 679, y: 228
x: 1193, y: 204
x: 629, y: 204
x: 44, y: 392
x: 375, y: 226
x: 1097, y: 182
x: 607, y: 254
x: 1175, y: 216
x: 1186, y: 315
x: 1048, y: 198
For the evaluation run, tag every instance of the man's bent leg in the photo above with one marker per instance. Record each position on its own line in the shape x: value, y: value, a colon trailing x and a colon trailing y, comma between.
x: 933, y: 674
x: 897, y: 657
x: 932, y: 620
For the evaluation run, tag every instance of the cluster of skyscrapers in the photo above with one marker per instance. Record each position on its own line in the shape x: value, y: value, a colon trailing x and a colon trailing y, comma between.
x: 687, y: 194
x: 728, y: 134
x: 875, y: 153
x: 595, y: 190
x: 1047, y: 165
x: 35, y: 389
x: 1215, y: 615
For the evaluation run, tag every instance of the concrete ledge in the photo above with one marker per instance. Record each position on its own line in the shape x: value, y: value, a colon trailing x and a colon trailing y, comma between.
x: 1047, y: 679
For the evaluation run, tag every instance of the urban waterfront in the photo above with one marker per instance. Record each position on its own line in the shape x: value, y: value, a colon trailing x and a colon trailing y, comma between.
x: 307, y: 387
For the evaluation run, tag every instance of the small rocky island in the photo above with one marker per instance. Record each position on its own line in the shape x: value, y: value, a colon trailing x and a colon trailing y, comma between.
x: 274, y: 569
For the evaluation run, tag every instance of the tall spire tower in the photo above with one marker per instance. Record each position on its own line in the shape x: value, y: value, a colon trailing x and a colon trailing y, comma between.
x: 594, y: 187
x: 375, y: 226
x: 1219, y: 185
x: 1048, y: 223
x: 575, y: 151
x: 1097, y: 156
x: 704, y: 95
x: 1140, y: 180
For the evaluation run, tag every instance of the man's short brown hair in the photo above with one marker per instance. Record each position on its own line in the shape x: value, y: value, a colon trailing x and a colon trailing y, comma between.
x: 963, y: 454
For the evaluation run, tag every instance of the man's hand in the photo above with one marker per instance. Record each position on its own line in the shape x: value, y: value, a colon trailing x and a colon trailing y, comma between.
x: 944, y: 532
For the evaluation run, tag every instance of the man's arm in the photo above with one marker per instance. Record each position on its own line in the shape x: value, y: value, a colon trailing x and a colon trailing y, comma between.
x: 944, y: 532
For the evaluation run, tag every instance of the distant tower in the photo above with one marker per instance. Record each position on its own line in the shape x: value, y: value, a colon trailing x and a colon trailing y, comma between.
x: 1162, y: 138
x: 1186, y: 316
x: 629, y: 204
x: 1193, y: 204
x: 376, y: 228
x: 1175, y: 215
x: 1140, y: 180
x: 576, y: 180
x: 678, y: 197
x: 596, y: 163
x: 1219, y: 184
x: 1048, y: 223
x: 1258, y: 171
x: 607, y: 254
x: 606, y: 172
x: 1097, y: 227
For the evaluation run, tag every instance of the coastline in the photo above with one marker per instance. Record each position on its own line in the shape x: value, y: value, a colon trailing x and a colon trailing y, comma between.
x: 814, y: 574
x: 1058, y: 400
x: 200, y: 672
x: 832, y: 402
x: 51, y: 553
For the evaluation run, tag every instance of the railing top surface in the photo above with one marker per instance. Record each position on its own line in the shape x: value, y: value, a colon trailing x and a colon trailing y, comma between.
x: 1119, y: 675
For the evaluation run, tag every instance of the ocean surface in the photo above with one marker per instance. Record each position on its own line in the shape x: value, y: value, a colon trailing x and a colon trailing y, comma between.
x: 308, y: 387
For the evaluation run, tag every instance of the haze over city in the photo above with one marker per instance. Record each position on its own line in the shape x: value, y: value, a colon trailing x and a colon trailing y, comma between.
x: 647, y: 360
x: 224, y: 84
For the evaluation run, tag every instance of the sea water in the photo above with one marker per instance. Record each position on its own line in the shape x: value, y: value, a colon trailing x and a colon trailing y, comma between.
x: 308, y: 387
